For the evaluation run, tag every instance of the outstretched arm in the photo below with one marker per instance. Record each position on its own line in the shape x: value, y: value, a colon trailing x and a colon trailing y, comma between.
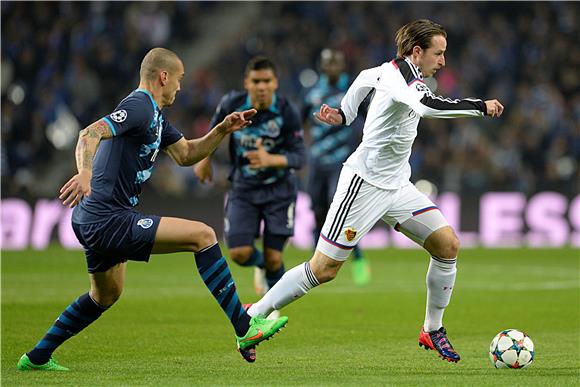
x: 80, y: 184
x: 188, y: 152
x: 434, y: 106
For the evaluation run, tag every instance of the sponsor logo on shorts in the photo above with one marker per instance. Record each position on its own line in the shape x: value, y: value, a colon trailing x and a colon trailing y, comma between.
x: 349, y: 233
x: 119, y: 116
x: 145, y: 223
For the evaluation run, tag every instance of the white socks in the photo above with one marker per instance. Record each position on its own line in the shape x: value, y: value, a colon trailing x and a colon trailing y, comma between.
x: 440, y: 282
x: 295, y: 283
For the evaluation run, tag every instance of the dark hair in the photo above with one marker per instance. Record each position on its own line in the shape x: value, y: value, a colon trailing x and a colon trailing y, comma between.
x: 260, y: 63
x: 417, y: 33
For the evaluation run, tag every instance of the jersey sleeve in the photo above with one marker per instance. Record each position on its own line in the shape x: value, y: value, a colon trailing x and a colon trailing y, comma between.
x: 294, y: 150
x: 426, y: 104
x: 362, y: 86
x: 131, y: 115
x: 169, y: 135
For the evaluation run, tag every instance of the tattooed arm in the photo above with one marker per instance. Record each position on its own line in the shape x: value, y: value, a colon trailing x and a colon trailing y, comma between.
x: 80, y: 184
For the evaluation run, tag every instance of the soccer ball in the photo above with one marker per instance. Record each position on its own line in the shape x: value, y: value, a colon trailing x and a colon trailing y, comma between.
x: 511, y: 349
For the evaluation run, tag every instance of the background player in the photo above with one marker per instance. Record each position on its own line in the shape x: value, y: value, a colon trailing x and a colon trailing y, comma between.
x: 264, y: 187
x: 330, y: 147
x: 114, y: 156
x: 374, y: 184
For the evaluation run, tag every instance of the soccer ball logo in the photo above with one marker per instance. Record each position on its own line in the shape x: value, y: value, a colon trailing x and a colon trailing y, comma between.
x: 511, y: 349
x: 119, y: 116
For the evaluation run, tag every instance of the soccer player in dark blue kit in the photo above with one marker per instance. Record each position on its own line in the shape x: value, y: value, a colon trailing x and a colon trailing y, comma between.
x: 264, y: 188
x: 330, y: 147
x: 114, y: 156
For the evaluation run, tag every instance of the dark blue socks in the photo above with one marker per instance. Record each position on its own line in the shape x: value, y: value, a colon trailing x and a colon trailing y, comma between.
x: 215, y: 273
x: 74, y: 319
x: 274, y: 276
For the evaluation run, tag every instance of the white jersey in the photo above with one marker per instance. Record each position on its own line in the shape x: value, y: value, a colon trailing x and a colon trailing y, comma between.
x: 401, y: 99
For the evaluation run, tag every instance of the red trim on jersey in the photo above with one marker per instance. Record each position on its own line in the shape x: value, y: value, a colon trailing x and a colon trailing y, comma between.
x: 336, y: 244
x: 395, y: 64
x: 416, y: 80
x: 423, y: 210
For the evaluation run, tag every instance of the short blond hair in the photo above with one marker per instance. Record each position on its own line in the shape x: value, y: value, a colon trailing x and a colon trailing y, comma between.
x: 417, y: 33
x: 156, y: 60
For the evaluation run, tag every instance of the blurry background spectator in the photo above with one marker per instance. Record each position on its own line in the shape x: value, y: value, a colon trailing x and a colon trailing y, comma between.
x: 66, y: 64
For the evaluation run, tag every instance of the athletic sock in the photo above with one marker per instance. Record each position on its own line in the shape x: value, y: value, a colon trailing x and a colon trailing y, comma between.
x: 356, y: 252
x: 77, y: 316
x: 216, y: 275
x: 272, y: 277
x: 295, y: 283
x: 440, y: 282
x: 256, y: 259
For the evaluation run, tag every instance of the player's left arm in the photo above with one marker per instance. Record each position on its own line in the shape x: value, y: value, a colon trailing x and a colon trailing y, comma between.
x: 294, y: 153
x: 435, y: 106
x: 188, y: 152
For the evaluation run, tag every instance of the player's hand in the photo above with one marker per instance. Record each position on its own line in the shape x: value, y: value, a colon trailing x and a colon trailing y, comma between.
x: 237, y: 120
x: 203, y: 170
x: 494, y: 108
x: 328, y: 115
x: 78, y: 186
x: 259, y: 158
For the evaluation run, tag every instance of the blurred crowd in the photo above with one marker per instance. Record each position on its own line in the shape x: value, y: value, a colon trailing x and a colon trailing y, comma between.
x: 66, y: 64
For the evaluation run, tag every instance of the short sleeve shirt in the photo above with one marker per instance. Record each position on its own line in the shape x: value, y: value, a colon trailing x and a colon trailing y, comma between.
x: 123, y: 163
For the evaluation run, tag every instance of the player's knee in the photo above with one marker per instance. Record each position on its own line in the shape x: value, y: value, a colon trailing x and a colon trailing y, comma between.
x: 443, y: 243
x: 273, y: 260
x: 448, y: 248
x: 453, y: 248
x: 204, y: 237
x: 240, y: 255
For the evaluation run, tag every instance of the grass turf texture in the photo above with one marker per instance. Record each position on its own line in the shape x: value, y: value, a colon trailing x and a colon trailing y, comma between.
x: 167, y: 331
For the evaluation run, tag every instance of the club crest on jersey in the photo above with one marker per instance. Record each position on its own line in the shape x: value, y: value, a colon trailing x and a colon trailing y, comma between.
x: 350, y: 233
x: 119, y: 115
x: 145, y: 223
x: 273, y: 128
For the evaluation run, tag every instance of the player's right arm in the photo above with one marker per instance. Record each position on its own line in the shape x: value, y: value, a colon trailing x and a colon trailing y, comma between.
x: 80, y: 184
x: 362, y: 86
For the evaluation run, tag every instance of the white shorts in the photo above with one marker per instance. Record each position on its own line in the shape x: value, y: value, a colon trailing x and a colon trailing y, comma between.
x: 358, y: 205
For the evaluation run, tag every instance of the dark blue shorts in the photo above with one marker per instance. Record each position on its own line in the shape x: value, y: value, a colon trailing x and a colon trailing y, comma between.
x: 126, y: 236
x: 246, y: 209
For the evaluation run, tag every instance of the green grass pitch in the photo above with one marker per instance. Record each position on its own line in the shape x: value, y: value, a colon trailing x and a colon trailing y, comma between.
x: 166, y: 330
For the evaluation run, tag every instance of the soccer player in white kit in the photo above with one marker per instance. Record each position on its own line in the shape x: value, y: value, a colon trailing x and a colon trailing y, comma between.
x: 374, y: 182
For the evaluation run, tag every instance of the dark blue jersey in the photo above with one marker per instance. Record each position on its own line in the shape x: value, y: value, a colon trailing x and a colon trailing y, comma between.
x: 125, y: 161
x: 281, y: 133
x: 331, y: 145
